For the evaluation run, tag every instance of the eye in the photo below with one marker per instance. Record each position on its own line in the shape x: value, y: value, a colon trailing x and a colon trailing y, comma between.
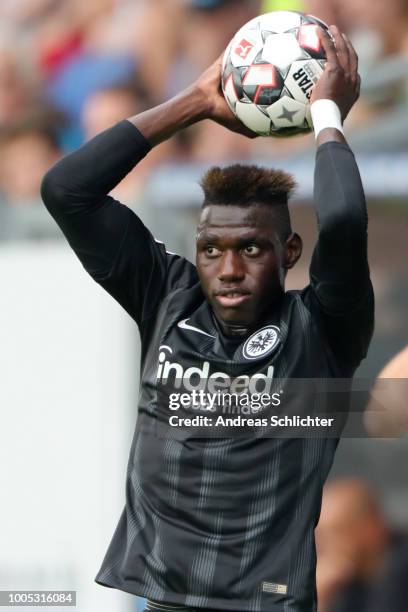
x: 252, y: 250
x: 212, y: 251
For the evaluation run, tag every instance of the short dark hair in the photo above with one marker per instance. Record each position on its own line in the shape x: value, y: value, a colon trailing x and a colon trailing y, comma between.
x: 243, y: 185
x: 41, y: 123
x: 248, y: 185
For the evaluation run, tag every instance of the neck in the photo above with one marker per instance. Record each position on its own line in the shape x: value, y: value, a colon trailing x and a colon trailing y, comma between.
x: 234, y: 331
x: 237, y: 330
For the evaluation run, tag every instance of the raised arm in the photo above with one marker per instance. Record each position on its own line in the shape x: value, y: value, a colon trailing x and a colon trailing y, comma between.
x: 339, y: 271
x: 112, y: 243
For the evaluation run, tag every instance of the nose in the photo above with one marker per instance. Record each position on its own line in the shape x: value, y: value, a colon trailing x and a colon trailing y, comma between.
x: 231, y: 268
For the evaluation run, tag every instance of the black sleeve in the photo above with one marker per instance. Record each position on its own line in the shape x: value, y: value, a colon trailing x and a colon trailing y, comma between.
x: 339, y: 271
x: 112, y: 243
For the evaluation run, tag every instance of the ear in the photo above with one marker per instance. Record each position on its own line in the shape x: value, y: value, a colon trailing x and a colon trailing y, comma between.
x: 292, y: 250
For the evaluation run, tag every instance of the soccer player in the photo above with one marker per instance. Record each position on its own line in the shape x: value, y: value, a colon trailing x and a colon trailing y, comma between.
x: 225, y: 523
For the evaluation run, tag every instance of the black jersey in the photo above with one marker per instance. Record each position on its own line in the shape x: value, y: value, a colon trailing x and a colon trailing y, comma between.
x: 219, y: 523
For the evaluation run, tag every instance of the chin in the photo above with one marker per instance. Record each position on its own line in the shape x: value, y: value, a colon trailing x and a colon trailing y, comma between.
x: 231, y: 316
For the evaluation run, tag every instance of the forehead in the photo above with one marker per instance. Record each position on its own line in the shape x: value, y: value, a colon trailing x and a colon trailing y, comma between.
x: 257, y: 217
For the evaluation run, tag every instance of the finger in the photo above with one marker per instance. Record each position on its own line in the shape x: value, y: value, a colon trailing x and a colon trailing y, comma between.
x: 328, y: 46
x: 353, y: 57
x: 341, y: 48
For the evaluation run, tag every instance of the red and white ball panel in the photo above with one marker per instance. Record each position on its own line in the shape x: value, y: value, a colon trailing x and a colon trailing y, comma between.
x: 308, y: 38
x: 262, y: 74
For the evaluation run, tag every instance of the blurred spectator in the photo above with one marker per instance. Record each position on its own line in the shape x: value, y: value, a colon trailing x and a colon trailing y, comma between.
x: 389, y: 20
x: 106, y: 107
x: 386, y: 414
x: 377, y: 30
x: 376, y: 27
x: 212, y: 143
x: 210, y: 25
x: 82, y: 76
x: 158, y: 42
x: 23, y: 11
x: 80, y: 56
x: 325, y: 10
x: 362, y: 565
x: 27, y: 149
x: 17, y: 80
x: 77, y: 57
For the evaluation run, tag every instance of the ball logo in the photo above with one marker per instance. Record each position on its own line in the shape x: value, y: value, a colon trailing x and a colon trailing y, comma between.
x: 261, y: 343
x: 244, y: 48
x: 305, y: 80
x: 309, y: 38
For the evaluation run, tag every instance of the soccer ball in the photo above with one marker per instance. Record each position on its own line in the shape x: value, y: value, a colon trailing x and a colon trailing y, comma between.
x: 269, y: 70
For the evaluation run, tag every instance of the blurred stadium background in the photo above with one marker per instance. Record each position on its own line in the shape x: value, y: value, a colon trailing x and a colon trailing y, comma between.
x: 69, y: 355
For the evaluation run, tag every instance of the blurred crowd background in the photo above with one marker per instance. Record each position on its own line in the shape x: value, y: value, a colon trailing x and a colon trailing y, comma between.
x: 71, y: 68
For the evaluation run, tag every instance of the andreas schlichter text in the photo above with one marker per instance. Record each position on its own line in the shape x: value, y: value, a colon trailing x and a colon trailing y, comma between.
x: 239, y: 421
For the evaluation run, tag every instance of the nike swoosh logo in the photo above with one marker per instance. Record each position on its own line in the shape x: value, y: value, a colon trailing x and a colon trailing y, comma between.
x: 183, y: 325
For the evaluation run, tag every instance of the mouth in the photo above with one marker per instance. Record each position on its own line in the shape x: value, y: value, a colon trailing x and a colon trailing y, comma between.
x: 230, y: 298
